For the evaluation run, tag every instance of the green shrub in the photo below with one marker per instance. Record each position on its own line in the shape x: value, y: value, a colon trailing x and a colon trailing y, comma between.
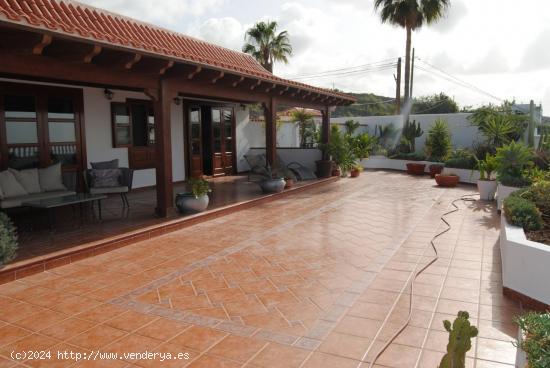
x: 8, y: 239
x: 539, y: 195
x: 438, y: 143
x: 536, y: 344
x: 199, y: 187
x: 513, y: 160
x: 522, y: 212
x: 461, y: 159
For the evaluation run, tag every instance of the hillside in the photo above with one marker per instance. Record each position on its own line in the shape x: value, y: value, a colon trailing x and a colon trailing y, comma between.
x: 374, y: 107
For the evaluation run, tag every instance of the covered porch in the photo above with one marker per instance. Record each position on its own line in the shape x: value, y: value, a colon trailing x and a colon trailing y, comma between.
x: 163, y: 105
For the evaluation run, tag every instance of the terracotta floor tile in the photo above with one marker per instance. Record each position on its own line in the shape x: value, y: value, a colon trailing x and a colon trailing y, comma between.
x: 198, y: 338
x: 279, y: 356
x: 68, y: 328
x: 10, y: 334
x: 369, y: 310
x: 322, y: 360
x: 245, y: 307
x: 32, y: 342
x: 496, y: 350
x: 97, y: 337
x: 237, y: 348
x: 130, y: 321
x: 358, y: 326
x: 191, y: 302
x: 225, y: 295
x: 275, y: 298
x: 101, y: 313
x: 132, y: 344
x: 209, y: 361
x: 343, y: 345
x: 210, y: 284
x: 162, y: 329
x: 399, y: 356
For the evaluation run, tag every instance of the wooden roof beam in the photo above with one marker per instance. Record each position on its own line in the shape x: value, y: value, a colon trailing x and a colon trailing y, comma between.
x: 42, y: 44
x: 168, y: 65
x: 218, y: 77
x: 239, y: 81
x: 306, y: 95
x: 255, y: 85
x: 285, y: 90
x: 194, y: 73
x: 89, y: 57
x: 269, y: 89
x: 133, y: 61
x: 296, y: 93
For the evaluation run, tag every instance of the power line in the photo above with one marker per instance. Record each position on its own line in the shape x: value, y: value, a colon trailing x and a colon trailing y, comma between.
x: 349, y: 73
x: 351, y: 68
x: 392, y: 100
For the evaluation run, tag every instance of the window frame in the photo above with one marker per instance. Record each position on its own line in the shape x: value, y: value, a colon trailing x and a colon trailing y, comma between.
x: 44, y: 146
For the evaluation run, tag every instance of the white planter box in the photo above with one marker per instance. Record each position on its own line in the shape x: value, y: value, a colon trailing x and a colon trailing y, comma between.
x: 524, y: 263
x: 465, y: 175
x: 504, y: 192
x: 521, y: 357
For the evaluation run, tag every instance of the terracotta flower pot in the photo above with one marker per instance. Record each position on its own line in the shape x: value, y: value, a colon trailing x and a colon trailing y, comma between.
x: 435, y: 169
x: 414, y: 168
x: 354, y: 173
x: 446, y: 180
x: 289, y: 183
x: 336, y: 172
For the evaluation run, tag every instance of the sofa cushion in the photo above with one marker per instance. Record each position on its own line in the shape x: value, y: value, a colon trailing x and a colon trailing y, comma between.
x: 10, y: 186
x: 51, y: 178
x: 1, y: 193
x: 28, y: 179
x: 112, y: 190
x: 113, y: 164
x: 107, y: 178
x: 18, y: 201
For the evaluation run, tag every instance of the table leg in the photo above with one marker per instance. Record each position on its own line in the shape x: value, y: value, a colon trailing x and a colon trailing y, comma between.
x: 50, y: 213
x: 99, y: 209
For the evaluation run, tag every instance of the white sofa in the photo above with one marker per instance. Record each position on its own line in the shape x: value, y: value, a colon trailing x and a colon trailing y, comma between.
x: 34, y: 184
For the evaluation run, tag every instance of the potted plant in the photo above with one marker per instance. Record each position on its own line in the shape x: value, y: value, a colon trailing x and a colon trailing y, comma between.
x: 356, y: 171
x: 533, y: 340
x: 273, y: 181
x: 197, y: 199
x: 512, y: 162
x: 340, y: 151
x: 289, y: 182
x: 486, y: 185
x: 8, y: 240
x: 447, y: 180
x: 438, y: 145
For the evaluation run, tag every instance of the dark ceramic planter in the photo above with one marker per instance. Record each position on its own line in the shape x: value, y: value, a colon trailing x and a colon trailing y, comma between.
x: 435, y: 169
x: 272, y: 185
x: 324, y: 168
x: 414, y: 168
x: 447, y: 180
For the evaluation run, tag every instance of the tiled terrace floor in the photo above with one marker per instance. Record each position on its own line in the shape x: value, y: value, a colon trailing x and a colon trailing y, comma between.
x: 319, y: 279
x: 70, y: 230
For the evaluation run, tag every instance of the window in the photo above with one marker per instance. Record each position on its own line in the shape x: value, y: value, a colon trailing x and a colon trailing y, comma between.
x: 133, y: 124
x: 41, y: 126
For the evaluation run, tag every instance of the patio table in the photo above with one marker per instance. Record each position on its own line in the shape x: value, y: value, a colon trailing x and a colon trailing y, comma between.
x: 80, y: 198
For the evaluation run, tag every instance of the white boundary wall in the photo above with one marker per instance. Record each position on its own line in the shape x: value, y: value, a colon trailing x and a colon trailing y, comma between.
x: 462, y: 133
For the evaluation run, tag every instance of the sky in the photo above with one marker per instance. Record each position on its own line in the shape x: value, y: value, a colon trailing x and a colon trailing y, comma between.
x: 502, y: 47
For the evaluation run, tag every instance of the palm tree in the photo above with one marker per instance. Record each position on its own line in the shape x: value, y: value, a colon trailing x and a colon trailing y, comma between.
x: 266, y: 45
x: 304, y: 119
x: 411, y: 15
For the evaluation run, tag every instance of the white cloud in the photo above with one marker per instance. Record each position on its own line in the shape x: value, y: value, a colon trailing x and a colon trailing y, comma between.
x: 537, y: 54
x: 169, y: 12
x: 227, y: 32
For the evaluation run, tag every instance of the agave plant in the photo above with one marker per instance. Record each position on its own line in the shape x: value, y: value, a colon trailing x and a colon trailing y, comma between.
x: 512, y: 161
x: 438, y: 143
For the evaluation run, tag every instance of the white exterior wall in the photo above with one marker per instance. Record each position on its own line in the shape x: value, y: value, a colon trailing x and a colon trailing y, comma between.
x: 463, y: 135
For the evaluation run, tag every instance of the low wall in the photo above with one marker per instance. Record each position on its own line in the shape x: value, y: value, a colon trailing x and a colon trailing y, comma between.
x: 382, y: 162
x: 304, y: 156
x: 524, y: 263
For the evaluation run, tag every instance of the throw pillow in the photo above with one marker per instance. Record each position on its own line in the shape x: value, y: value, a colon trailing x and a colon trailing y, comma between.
x: 107, y: 178
x: 28, y: 179
x: 113, y: 164
x: 10, y: 186
x: 51, y: 179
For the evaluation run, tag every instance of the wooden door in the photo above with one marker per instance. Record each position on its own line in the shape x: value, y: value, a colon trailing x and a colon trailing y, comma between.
x: 222, y: 141
x: 194, y: 140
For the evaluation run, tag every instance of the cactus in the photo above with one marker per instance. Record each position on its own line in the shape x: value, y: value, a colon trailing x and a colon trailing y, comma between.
x: 411, y: 131
x: 459, y: 341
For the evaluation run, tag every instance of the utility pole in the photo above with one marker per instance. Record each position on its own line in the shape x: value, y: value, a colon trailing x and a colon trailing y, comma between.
x: 412, y: 76
x: 398, y: 88
x: 531, y: 128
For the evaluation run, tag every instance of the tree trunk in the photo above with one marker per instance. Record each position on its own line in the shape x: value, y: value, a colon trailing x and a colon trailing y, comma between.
x: 408, y: 65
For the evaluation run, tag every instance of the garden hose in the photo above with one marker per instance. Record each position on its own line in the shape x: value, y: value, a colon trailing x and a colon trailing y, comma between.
x: 464, y: 198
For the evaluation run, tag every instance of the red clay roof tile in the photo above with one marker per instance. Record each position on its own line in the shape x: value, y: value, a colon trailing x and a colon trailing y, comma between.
x: 83, y: 21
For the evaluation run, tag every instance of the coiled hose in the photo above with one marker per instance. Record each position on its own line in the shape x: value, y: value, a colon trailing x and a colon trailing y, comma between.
x: 464, y: 198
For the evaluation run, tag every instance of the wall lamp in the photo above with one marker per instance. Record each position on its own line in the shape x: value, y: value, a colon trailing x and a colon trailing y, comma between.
x: 108, y: 94
x: 177, y: 100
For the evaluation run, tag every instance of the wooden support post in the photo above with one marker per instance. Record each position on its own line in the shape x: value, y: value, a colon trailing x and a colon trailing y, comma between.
x: 325, y: 128
x: 270, y: 112
x: 163, y: 141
